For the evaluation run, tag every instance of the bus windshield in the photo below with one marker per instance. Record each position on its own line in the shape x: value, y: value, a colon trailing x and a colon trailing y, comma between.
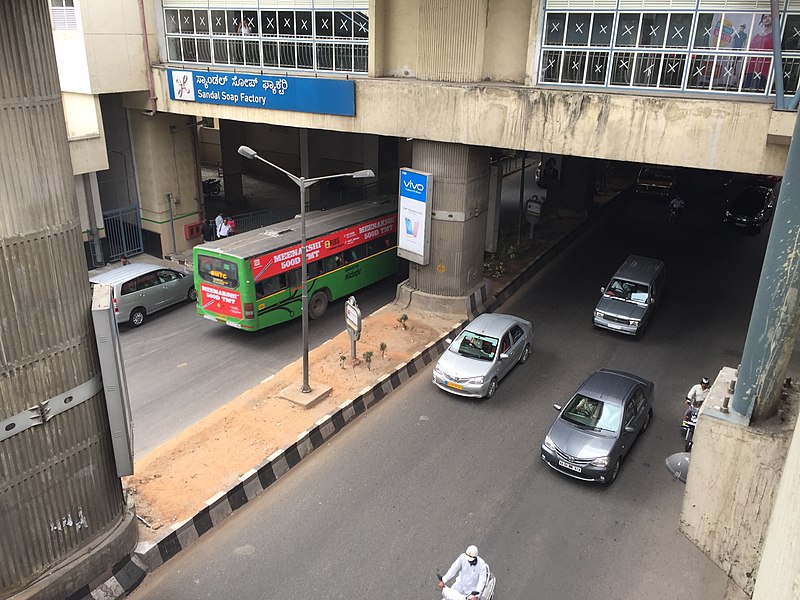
x: 218, y: 271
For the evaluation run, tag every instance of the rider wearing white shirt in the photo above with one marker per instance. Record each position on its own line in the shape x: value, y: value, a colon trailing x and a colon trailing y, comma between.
x: 697, y: 395
x: 473, y: 574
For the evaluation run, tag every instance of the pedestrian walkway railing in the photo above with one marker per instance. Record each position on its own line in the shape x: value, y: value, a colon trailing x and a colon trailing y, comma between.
x: 262, y: 218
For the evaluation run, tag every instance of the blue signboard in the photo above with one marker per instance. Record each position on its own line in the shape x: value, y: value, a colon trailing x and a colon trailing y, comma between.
x: 298, y: 94
x: 413, y: 185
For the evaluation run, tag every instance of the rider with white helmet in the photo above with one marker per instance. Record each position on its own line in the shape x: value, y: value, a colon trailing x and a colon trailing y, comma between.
x: 473, y: 575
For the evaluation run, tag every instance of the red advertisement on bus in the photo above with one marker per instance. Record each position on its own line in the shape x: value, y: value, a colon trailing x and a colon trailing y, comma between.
x: 289, y: 258
x: 221, y: 301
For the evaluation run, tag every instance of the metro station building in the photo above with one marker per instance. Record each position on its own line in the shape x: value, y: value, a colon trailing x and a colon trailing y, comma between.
x: 154, y: 88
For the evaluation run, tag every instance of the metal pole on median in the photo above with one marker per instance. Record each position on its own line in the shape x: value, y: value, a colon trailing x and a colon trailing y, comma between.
x: 521, y: 199
x: 304, y: 278
x: 303, y: 184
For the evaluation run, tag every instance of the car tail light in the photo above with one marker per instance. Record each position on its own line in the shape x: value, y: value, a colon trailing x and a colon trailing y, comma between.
x: 116, y: 308
x: 248, y: 310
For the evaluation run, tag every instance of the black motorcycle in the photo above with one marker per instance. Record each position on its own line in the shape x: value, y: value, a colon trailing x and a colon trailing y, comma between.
x: 688, y: 424
x: 212, y: 186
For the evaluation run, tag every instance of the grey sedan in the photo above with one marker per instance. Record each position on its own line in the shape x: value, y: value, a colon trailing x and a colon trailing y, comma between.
x: 482, y: 354
x: 596, y: 429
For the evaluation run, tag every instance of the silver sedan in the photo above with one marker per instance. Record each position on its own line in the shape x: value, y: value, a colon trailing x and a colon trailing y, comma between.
x: 482, y: 354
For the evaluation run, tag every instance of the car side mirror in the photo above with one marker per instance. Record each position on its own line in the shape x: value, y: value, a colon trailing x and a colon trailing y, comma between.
x: 557, y: 406
x: 503, y: 356
x: 629, y: 429
x: 448, y: 341
x: 651, y: 300
x: 603, y: 290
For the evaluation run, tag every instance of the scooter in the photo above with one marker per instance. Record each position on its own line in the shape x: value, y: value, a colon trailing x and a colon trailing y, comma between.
x: 212, y: 186
x: 449, y: 593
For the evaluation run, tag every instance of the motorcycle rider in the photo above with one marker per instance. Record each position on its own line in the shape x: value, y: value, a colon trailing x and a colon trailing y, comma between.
x: 473, y: 574
x: 697, y: 395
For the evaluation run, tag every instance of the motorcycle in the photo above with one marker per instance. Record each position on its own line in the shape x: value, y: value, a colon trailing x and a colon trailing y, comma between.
x: 675, y: 208
x: 212, y: 186
x: 449, y: 593
x: 688, y: 425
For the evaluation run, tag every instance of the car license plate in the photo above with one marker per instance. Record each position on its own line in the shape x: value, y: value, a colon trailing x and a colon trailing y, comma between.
x: 741, y: 224
x: 566, y: 465
x: 455, y: 386
x: 614, y: 326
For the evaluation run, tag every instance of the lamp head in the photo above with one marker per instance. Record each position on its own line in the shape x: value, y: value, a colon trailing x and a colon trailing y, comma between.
x: 358, y: 174
x: 247, y: 152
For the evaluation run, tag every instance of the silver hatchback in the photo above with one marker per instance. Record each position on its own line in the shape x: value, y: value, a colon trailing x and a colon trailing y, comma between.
x: 140, y: 289
x: 482, y: 354
x: 595, y: 430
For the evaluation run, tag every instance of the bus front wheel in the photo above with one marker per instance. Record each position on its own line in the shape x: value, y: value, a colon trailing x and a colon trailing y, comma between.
x: 318, y: 304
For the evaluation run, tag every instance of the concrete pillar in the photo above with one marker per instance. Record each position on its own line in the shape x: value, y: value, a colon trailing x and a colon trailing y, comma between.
x: 458, y: 227
x: 231, y: 136
x: 493, y: 212
x: 775, y: 320
x: 60, y: 491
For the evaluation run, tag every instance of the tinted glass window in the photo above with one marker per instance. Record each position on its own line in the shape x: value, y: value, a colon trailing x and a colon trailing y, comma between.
x: 146, y: 281
x: 218, y: 271
x: 128, y: 287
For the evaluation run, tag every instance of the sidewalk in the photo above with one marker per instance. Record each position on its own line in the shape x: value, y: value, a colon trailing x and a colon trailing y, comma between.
x: 263, y: 435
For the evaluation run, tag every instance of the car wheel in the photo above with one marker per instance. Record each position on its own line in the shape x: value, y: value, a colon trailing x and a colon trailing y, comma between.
x: 614, y: 472
x: 526, y: 352
x: 492, y: 388
x: 137, y: 317
x: 647, y: 420
x: 192, y: 295
x: 318, y: 304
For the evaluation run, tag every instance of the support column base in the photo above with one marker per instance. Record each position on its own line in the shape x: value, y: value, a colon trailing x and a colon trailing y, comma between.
x: 104, y: 559
x: 468, y: 306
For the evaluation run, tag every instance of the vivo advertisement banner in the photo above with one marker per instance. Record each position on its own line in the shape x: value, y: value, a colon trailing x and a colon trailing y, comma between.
x: 298, y: 94
x: 414, y: 223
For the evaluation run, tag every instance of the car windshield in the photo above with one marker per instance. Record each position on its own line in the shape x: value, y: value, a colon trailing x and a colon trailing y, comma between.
x: 596, y: 414
x: 751, y: 198
x: 660, y: 174
x: 627, y: 290
x: 475, y: 345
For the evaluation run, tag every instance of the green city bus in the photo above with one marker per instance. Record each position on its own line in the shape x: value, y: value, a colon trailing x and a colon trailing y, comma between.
x: 252, y: 280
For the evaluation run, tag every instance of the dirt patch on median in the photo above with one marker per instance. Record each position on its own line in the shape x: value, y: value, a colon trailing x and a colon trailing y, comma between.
x: 172, y: 483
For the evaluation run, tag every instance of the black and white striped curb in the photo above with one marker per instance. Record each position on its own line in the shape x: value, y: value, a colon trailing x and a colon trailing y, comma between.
x: 255, y: 481
x: 124, y: 577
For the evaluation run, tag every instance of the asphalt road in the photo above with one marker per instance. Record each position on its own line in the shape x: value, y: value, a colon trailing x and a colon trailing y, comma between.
x: 181, y: 367
x: 400, y: 492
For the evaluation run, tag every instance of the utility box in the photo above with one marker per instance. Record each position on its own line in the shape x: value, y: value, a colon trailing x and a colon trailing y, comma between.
x: 193, y: 230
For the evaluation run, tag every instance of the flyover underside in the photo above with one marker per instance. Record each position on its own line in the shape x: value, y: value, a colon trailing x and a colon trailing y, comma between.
x: 727, y: 135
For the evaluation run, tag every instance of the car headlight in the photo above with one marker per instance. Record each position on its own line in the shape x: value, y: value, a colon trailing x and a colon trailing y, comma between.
x: 760, y: 216
x: 599, y: 314
x: 600, y: 462
x: 548, y: 443
x: 634, y: 322
x: 728, y: 214
x: 475, y: 380
x: 437, y: 370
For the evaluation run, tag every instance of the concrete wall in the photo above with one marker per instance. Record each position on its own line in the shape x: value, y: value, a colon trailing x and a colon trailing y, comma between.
x: 162, y: 150
x: 703, y: 133
x: 112, y: 38
x: 779, y: 572
x: 732, y: 485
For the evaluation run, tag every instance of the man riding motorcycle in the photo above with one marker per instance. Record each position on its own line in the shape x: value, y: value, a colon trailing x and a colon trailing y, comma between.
x: 473, y: 577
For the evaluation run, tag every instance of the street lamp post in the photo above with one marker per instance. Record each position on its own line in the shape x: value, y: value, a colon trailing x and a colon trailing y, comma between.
x: 303, y: 183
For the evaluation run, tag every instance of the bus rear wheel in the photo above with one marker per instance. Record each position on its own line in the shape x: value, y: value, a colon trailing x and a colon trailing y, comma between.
x: 318, y: 304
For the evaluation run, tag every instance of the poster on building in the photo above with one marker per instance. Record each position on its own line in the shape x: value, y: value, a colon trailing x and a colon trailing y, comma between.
x: 413, y: 231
